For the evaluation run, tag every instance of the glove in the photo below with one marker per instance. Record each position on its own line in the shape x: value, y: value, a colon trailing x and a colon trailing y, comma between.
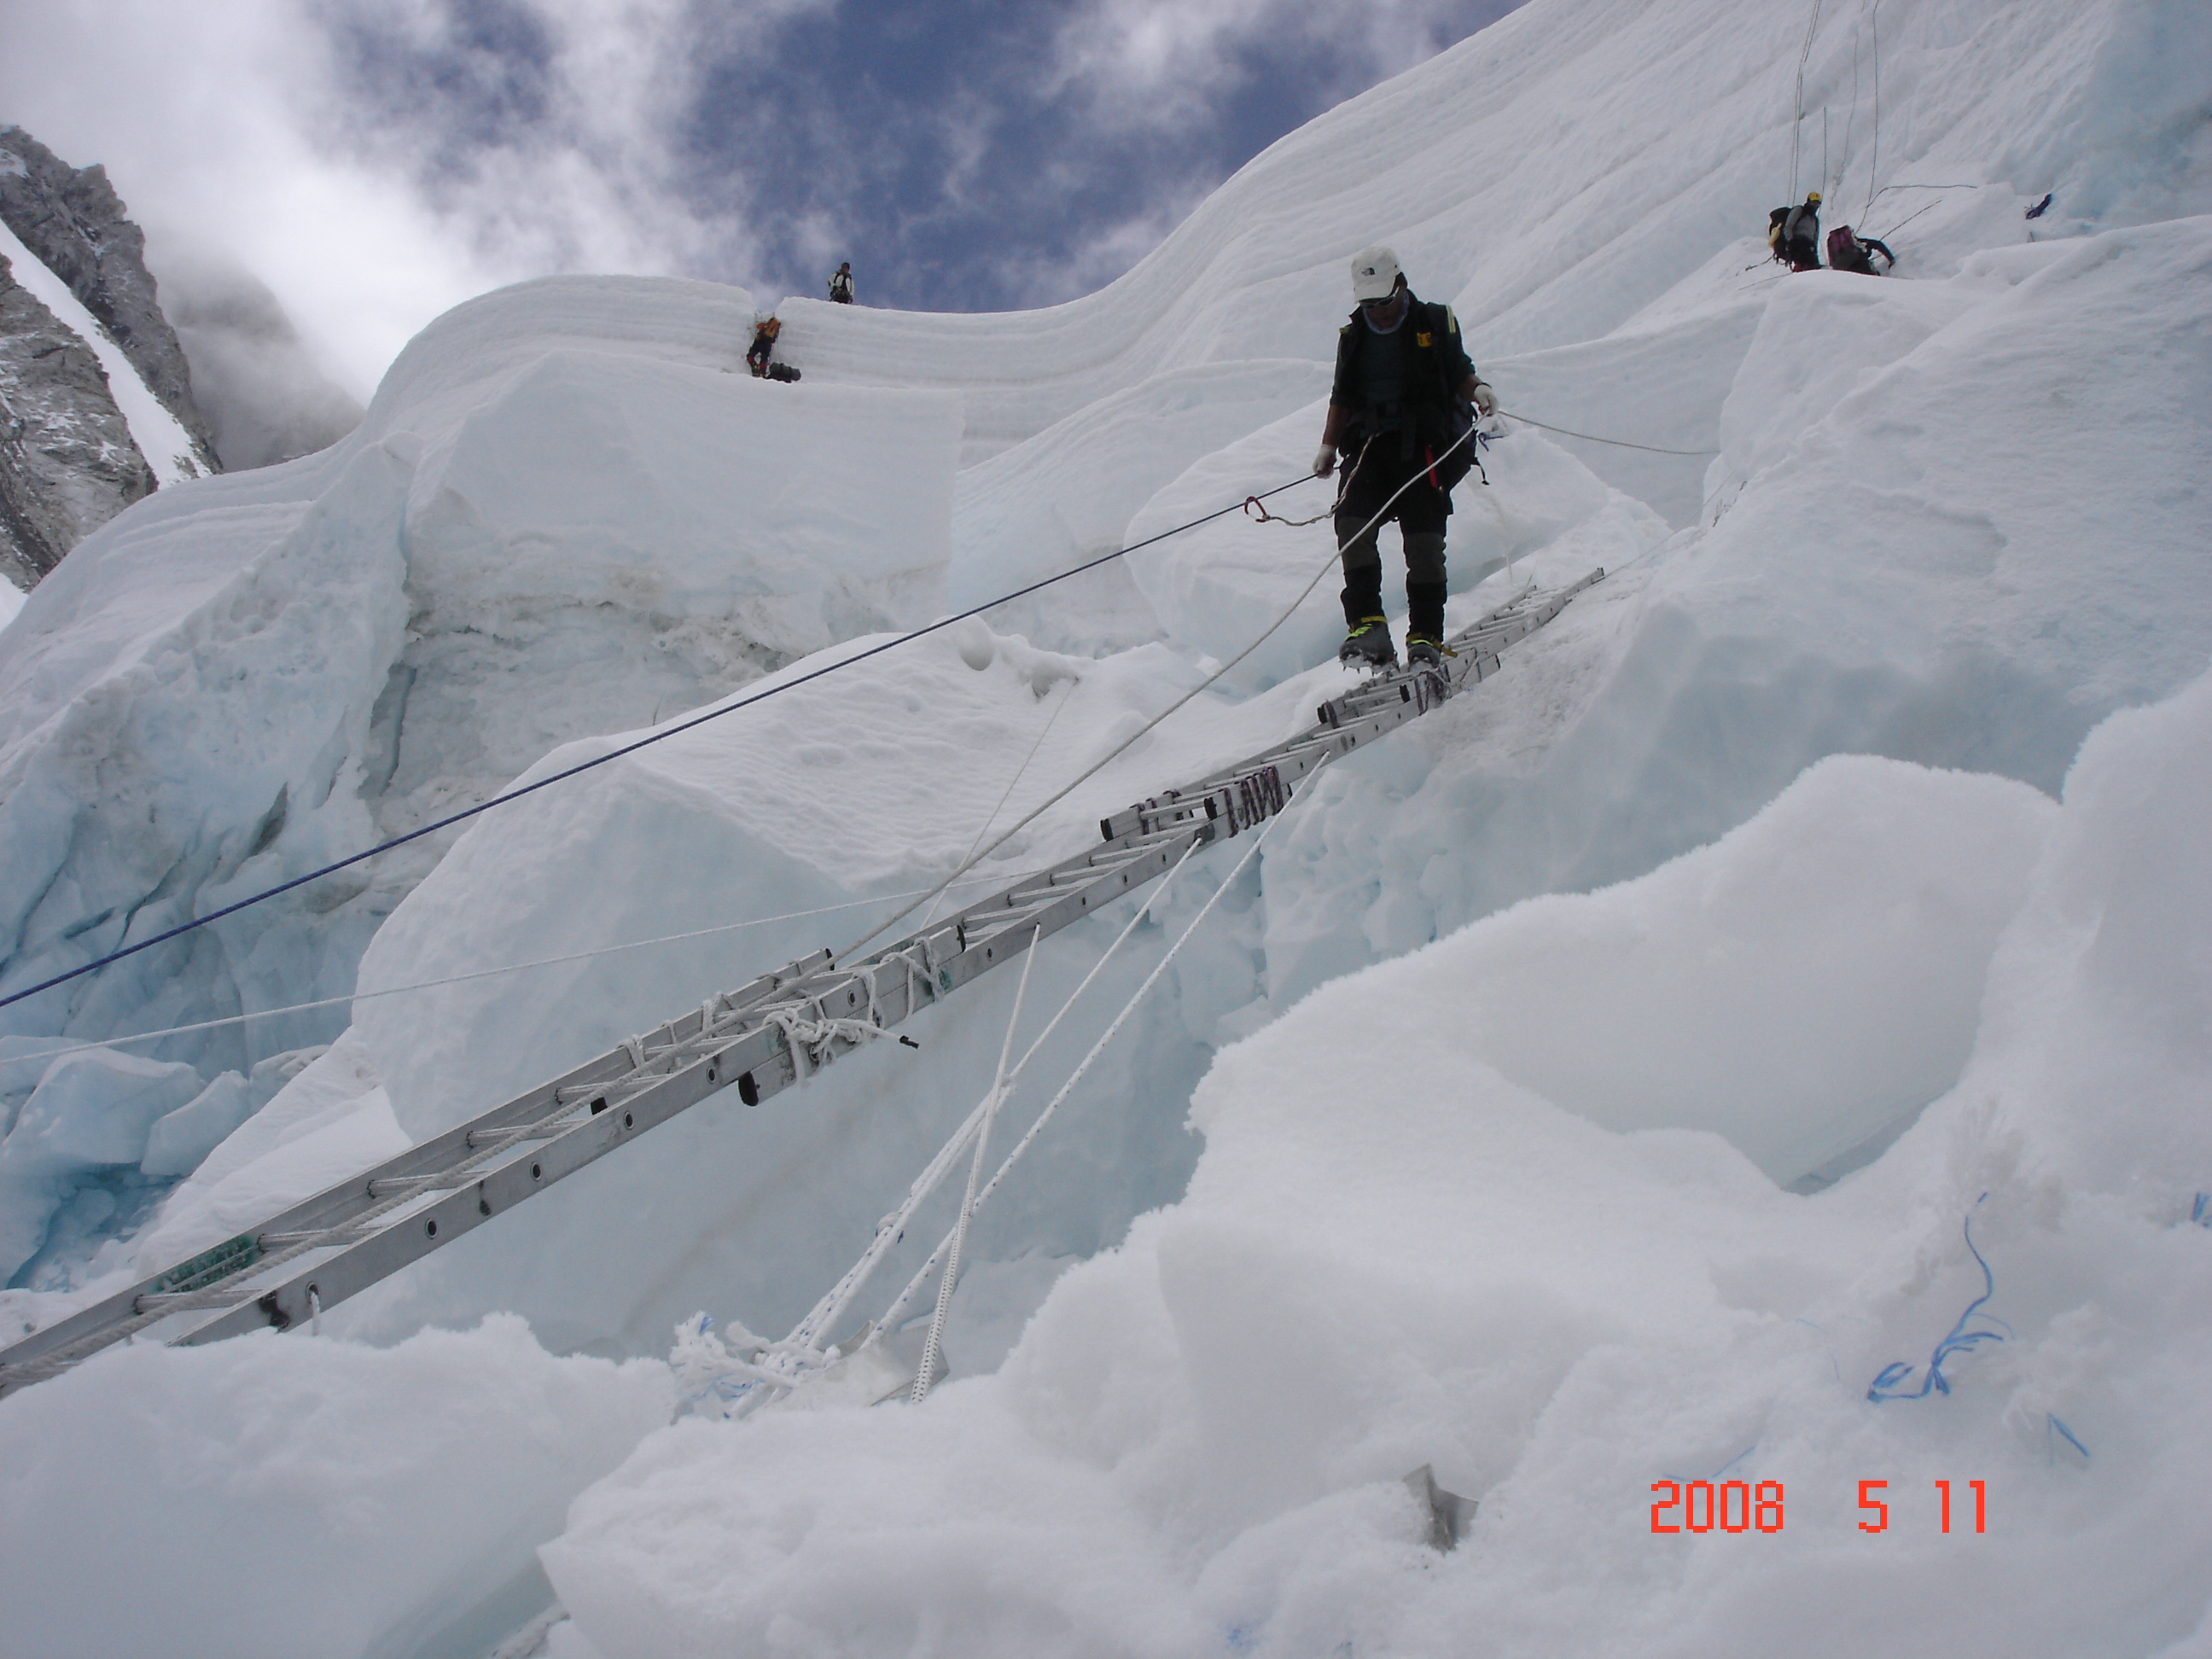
x: 1486, y: 399
x: 1325, y: 462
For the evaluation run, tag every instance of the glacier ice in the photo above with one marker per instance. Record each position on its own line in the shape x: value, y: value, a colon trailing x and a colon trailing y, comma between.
x: 1749, y: 876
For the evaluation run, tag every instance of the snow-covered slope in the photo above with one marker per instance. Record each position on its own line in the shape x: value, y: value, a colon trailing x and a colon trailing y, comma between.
x: 1545, y: 1201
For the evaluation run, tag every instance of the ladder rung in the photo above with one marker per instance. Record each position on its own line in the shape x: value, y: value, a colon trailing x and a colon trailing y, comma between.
x: 321, y: 1237
x: 481, y: 1138
x: 409, y: 1186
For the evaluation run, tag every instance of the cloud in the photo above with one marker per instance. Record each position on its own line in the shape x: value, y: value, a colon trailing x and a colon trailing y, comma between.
x: 375, y: 162
x: 197, y: 113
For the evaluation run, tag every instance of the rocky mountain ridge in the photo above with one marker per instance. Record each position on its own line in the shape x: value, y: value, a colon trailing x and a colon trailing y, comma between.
x: 72, y: 220
x: 69, y: 461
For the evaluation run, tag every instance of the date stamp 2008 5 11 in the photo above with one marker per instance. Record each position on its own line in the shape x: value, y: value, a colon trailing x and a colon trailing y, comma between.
x: 1740, y: 1506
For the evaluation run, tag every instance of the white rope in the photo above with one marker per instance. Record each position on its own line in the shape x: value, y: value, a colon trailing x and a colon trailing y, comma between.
x: 514, y: 968
x: 1007, y: 794
x: 811, y: 1331
x: 1873, y: 163
x: 809, y: 1039
x: 1797, y: 125
x: 1207, y: 684
x: 1618, y: 443
x: 905, y: 1297
x: 932, y: 1345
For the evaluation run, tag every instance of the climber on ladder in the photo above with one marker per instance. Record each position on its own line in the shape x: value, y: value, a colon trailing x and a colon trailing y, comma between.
x: 1404, y: 394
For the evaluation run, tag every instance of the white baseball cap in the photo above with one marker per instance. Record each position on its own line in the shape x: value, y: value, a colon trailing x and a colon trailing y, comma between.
x: 1374, y: 274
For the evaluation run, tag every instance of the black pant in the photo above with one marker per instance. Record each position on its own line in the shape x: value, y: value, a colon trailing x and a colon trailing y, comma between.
x: 1374, y: 475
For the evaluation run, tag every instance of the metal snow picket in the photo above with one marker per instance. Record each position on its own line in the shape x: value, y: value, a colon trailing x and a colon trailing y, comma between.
x: 761, y: 1038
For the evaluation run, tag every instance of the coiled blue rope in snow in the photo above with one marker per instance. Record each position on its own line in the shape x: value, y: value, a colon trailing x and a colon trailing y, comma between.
x: 561, y: 776
x: 1888, y: 1384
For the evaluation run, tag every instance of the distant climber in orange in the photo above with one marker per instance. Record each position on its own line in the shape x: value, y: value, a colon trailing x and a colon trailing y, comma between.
x: 765, y: 329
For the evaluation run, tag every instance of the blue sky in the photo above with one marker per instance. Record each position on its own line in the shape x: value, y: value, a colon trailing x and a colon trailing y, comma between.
x: 376, y: 161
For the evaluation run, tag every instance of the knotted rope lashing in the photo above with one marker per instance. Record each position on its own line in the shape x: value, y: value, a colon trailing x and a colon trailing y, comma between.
x: 807, y: 1038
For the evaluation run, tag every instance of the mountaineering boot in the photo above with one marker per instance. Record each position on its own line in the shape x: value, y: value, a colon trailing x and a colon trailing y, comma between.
x: 1368, y: 645
x: 1425, y: 621
x: 1362, y: 594
x: 1424, y: 612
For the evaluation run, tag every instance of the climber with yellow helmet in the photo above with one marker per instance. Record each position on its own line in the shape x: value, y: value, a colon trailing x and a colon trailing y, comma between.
x: 1793, y: 233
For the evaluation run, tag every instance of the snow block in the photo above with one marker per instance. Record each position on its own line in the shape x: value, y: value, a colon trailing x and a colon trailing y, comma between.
x: 303, y: 1499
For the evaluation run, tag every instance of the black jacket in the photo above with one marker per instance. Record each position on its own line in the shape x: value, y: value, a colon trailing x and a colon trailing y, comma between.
x: 1437, y: 365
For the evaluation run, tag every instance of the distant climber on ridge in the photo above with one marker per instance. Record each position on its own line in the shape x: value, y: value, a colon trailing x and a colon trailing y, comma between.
x: 1404, y: 391
x: 840, y: 284
x: 1793, y: 233
x: 765, y: 329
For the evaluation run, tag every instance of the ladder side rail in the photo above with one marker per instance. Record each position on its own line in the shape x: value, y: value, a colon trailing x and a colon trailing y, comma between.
x: 329, y: 1207
x: 759, y: 1063
x: 735, y: 1040
x: 335, y: 1204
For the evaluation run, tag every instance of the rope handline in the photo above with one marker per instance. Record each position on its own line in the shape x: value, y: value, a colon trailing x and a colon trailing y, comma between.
x: 1007, y: 794
x: 810, y: 1332
x: 914, y: 1286
x: 1618, y: 443
x: 491, y: 973
x: 1908, y: 219
x: 1343, y: 485
x: 934, y: 1342
x: 1105, y: 760
x: 1796, y: 127
x: 1874, y: 162
x: 626, y: 749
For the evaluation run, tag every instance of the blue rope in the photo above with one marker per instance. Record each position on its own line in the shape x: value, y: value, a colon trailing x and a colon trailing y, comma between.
x: 2196, y: 1211
x: 617, y: 754
x: 2052, y: 1422
x: 1888, y: 1384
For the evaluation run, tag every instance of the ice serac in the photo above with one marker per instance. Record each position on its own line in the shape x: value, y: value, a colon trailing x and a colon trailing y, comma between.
x: 1747, y: 877
x: 562, y: 518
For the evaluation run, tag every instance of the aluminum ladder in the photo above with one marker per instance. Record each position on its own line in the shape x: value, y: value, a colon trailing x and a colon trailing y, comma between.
x: 761, y: 1039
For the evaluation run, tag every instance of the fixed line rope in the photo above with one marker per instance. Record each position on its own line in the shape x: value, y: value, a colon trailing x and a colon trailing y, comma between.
x: 567, y: 773
x: 1103, y: 761
x: 934, y: 1343
x: 506, y: 968
x: 810, y: 1334
x: 888, y: 1323
x: 1618, y: 443
x: 1007, y: 794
